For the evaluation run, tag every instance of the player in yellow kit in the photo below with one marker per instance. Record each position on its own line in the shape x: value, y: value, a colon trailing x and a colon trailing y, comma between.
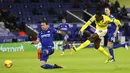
x: 102, y: 22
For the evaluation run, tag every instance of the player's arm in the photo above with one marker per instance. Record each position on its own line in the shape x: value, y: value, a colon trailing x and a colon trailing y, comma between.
x: 117, y: 28
x: 117, y: 22
x: 68, y: 29
x: 87, y: 23
x: 36, y: 42
x: 61, y: 32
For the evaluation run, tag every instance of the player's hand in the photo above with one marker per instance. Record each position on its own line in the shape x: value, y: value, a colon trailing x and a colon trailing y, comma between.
x: 66, y: 37
x: 69, y: 32
x: 115, y: 33
x: 80, y: 33
x: 33, y: 42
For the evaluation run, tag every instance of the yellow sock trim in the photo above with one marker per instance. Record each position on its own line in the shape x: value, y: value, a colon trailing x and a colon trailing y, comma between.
x: 103, y: 51
x: 83, y: 45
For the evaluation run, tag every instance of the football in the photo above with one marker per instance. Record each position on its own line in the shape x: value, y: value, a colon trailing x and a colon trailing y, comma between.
x: 8, y: 63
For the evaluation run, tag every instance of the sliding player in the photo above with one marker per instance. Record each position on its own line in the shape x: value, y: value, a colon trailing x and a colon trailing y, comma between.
x: 45, y: 37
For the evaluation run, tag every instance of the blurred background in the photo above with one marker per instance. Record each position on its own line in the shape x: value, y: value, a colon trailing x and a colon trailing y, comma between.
x: 19, y: 19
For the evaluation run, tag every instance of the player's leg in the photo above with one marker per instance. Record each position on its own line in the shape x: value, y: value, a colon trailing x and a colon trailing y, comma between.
x: 87, y: 42
x: 44, y: 57
x: 111, y: 51
x: 38, y: 53
x: 43, y: 60
x: 100, y: 48
x: 63, y: 47
x: 69, y: 47
x: 120, y: 45
x: 111, y: 40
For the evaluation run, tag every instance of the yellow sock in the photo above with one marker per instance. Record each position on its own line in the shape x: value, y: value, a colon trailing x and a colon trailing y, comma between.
x: 86, y: 43
x: 102, y: 50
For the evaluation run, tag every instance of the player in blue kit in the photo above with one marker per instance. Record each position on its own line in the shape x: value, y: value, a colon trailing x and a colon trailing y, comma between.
x: 112, y: 32
x: 45, y: 37
x: 65, y: 28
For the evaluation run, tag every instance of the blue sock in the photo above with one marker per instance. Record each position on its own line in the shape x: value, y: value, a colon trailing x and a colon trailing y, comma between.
x: 111, y: 52
x: 68, y: 46
x: 118, y: 45
x: 63, y: 49
x: 48, y: 66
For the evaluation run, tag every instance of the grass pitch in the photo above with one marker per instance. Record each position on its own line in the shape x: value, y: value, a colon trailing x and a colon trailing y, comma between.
x: 84, y: 61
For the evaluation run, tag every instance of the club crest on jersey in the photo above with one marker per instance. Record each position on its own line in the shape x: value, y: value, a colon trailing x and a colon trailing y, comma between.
x: 48, y: 31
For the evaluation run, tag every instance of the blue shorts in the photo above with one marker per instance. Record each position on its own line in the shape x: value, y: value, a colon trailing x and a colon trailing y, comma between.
x: 66, y: 46
x: 111, y: 37
x: 63, y: 38
x: 44, y: 55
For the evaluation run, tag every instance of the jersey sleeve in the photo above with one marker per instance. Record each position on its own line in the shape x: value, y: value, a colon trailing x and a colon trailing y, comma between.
x: 117, y: 22
x: 38, y: 35
x: 114, y: 20
x: 54, y: 31
x: 92, y: 19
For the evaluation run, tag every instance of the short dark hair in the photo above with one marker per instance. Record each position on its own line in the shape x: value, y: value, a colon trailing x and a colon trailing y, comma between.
x: 44, y: 21
x: 98, y: 13
x: 108, y: 7
x: 98, y: 16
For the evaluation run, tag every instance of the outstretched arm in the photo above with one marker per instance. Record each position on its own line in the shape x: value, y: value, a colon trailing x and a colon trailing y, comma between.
x: 61, y: 32
x: 36, y: 42
x: 87, y: 23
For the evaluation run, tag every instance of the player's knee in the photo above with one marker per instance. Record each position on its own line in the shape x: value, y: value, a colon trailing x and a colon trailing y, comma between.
x: 97, y: 46
x: 90, y: 39
x: 42, y: 63
x: 44, y: 53
x: 43, y: 66
x: 110, y: 44
x: 87, y: 34
x: 93, y: 38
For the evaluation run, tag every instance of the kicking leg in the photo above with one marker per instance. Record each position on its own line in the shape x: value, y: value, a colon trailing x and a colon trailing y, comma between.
x: 100, y: 48
x: 87, y: 42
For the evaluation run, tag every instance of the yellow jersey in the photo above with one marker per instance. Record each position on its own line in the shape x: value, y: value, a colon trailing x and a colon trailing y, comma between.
x: 102, y: 25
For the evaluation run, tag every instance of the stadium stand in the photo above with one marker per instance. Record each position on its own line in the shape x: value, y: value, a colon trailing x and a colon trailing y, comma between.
x: 33, y: 11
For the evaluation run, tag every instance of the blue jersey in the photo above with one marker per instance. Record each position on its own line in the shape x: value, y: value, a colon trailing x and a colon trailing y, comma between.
x: 46, y: 37
x: 111, y: 30
x: 112, y: 26
x: 64, y: 27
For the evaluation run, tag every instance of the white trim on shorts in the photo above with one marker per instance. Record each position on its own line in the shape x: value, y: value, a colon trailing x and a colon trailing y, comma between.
x: 101, y: 33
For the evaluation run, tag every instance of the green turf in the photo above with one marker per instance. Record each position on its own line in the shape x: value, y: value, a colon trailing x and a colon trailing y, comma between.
x: 84, y: 61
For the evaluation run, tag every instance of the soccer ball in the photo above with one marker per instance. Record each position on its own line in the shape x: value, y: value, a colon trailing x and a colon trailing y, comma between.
x: 8, y: 63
